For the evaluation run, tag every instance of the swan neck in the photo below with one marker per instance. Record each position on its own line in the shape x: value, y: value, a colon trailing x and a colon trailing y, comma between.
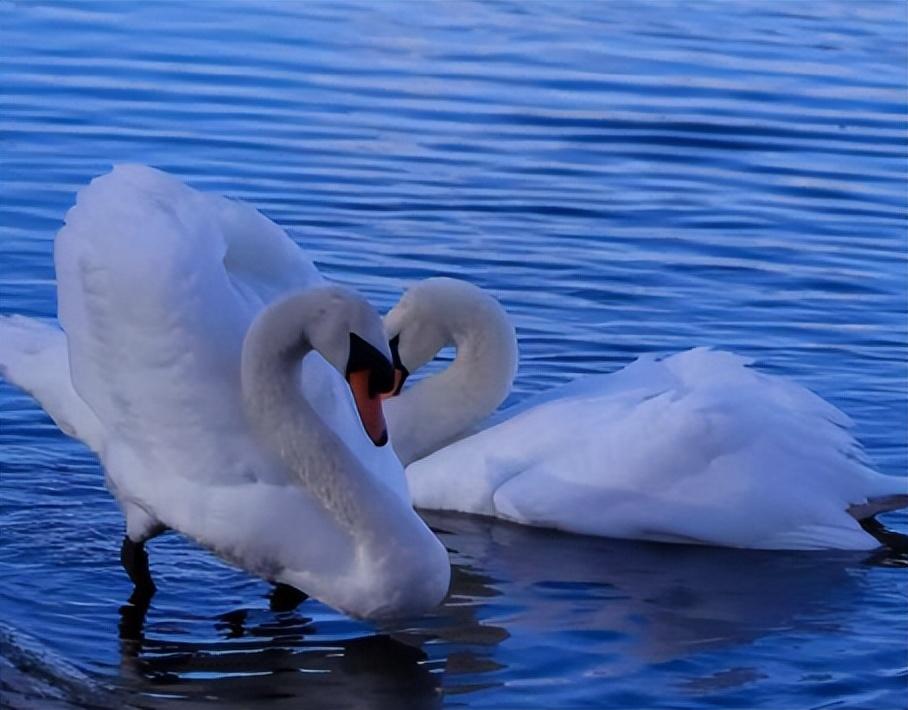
x: 313, y: 455
x: 439, y: 409
x: 380, y: 559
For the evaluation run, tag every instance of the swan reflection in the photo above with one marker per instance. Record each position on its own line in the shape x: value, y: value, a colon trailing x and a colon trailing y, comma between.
x: 520, y: 598
x: 639, y: 602
x: 281, y: 658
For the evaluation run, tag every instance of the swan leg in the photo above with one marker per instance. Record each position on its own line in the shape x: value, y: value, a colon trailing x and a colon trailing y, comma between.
x: 135, y: 561
x: 285, y: 598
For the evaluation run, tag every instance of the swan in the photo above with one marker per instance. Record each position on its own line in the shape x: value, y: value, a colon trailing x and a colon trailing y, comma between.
x: 694, y: 447
x: 260, y: 261
x: 185, y: 322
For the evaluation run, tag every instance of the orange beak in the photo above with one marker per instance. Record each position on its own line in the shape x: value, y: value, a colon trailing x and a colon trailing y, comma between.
x: 368, y: 407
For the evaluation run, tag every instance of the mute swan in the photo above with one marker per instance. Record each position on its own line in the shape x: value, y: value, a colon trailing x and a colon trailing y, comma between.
x: 142, y: 206
x: 184, y: 328
x: 694, y: 447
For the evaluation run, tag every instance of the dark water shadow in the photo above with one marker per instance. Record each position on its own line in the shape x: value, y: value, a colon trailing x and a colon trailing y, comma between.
x: 287, y: 659
x: 652, y: 602
x: 280, y: 659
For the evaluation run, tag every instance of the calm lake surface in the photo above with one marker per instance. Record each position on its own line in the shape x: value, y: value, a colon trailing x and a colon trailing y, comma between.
x: 626, y: 178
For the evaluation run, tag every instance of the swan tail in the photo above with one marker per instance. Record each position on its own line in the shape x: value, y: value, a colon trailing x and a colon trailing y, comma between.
x: 34, y: 358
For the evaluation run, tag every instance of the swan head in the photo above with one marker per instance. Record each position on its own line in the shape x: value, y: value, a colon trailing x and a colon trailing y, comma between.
x: 344, y: 329
x: 432, y: 315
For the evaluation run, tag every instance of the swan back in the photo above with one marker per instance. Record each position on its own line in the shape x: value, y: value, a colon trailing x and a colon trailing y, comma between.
x: 694, y: 447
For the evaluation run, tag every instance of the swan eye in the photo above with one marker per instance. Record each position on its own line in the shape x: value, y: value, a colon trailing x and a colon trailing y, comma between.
x: 364, y: 356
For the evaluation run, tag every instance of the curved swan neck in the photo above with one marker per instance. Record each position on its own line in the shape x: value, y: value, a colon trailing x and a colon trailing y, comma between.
x: 439, y: 409
x: 376, y: 557
x: 273, y: 398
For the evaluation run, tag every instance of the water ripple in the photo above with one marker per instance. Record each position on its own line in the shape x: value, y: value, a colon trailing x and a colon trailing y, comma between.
x: 626, y: 178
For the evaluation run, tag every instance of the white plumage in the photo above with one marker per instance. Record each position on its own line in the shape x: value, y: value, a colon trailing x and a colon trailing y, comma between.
x: 158, y: 285
x: 695, y: 447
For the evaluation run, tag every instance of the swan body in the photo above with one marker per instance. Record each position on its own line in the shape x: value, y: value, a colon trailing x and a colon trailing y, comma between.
x: 204, y: 362
x: 696, y: 447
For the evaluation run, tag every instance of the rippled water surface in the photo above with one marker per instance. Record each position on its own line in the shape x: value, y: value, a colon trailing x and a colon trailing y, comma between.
x: 625, y: 177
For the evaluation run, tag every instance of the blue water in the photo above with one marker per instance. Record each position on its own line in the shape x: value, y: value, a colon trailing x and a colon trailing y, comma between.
x: 626, y: 177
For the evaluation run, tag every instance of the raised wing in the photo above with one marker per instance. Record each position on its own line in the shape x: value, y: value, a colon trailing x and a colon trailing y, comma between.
x: 157, y: 286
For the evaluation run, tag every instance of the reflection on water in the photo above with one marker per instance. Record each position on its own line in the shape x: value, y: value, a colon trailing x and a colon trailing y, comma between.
x: 261, y: 655
x: 277, y: 658
x: 523, y: 603
x: 661, y: 601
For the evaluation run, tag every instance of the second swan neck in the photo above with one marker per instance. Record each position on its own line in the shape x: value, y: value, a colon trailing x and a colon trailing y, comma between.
x: 443, y: 407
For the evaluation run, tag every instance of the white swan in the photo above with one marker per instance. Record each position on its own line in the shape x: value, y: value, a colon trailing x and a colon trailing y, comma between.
x: 183, y: 346
x: 693, y: 447
x: 149, y: 209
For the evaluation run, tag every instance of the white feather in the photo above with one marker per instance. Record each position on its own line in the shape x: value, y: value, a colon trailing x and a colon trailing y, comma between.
x: 157, y: 287
x: 695, y: 447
